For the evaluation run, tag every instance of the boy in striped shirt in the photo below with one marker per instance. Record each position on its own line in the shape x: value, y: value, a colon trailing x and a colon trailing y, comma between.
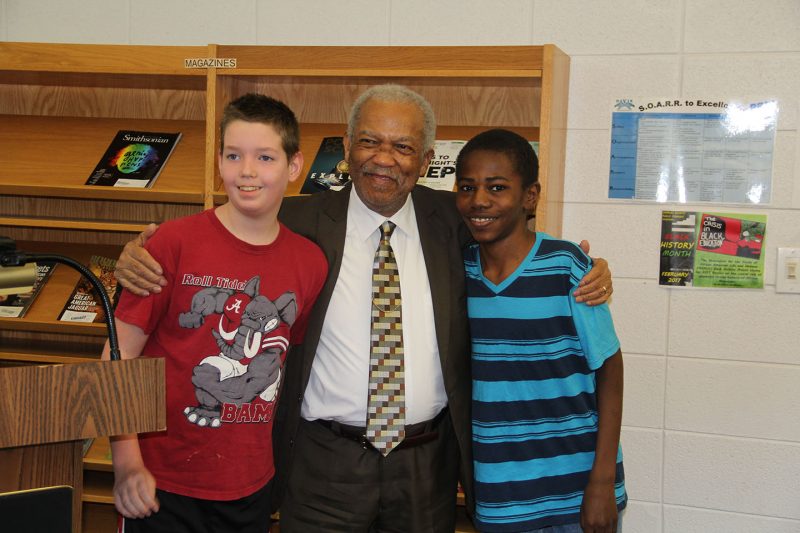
x: 547, y: 372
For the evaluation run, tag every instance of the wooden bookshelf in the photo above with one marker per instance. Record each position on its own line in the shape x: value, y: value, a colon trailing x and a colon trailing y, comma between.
x: 61, y: 104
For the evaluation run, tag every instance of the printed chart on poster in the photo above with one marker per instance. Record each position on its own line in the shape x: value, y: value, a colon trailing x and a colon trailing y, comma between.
x: 692, y: 150
x: 701, y: 249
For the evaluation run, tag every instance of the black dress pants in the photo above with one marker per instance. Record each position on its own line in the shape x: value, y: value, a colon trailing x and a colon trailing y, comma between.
x: 338, y: 484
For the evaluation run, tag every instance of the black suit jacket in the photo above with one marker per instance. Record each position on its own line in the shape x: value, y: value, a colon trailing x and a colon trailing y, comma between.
x: 322, y: 217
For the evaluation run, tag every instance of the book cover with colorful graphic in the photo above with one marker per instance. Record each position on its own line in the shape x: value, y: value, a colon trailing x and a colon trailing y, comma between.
x: 16, y: 305
x: 329, y: 169
x: 84, y: 305
x: 134, y: 159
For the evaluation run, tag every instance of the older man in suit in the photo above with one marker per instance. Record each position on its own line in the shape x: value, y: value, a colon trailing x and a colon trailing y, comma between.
x: 332, y: 476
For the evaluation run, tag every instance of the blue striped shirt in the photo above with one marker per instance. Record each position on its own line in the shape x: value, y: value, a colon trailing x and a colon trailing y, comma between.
x: 534, y: 408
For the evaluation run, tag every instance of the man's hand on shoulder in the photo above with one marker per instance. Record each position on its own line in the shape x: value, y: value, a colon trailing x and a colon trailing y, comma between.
x: 596, y: 286
x: 136, y: 269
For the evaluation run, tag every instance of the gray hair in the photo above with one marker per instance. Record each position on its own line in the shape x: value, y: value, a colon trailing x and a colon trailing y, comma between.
x: 395, y: 93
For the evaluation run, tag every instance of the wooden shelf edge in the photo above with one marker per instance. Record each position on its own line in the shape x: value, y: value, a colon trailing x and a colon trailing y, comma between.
x: 71, y: 224
x: 384, y: 73
x: 100, y: 58
x: 55, y: 326
x: 108, y: 194
x: 116, y: 70
x: 43, y: 358
x: 89, y: 496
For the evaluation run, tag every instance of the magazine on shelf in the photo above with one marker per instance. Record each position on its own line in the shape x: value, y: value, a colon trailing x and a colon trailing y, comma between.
x: 83, y: 305
x: 441, y: 171
x: 134, y: 159
x: 329, y: 169
x: 16, y: 305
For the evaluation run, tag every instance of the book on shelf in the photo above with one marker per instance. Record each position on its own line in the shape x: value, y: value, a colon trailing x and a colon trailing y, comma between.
x: 84, y: 305
x: 441, y: 171
x: 329, y: 169
x: 134, y: 159
x: 16, y: 305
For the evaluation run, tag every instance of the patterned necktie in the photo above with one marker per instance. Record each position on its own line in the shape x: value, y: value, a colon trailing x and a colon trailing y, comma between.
x: 386, y: 409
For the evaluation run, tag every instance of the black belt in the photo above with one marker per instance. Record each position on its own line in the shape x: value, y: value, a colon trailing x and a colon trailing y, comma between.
x: 416, y: 434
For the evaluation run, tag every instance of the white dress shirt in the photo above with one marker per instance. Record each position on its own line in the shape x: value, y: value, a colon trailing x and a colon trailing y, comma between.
x: 338, y: 386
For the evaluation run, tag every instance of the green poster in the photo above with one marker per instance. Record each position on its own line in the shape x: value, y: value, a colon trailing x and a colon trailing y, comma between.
x: 700, y: 249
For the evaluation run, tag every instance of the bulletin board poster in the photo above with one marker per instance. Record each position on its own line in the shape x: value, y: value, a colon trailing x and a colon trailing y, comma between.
x: 692, y: 150
x: 720, y: 250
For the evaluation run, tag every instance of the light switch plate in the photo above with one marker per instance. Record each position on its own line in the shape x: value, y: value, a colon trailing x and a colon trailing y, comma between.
x: 787, y: 275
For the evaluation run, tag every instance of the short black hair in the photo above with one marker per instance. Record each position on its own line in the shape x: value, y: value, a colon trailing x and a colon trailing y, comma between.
x: 254, y: 107
x: 518, y: 150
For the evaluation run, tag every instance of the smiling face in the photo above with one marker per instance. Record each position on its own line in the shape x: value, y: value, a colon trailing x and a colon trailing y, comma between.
x: 386, y: 154
x: 255, y: 169
x: 491, y: 199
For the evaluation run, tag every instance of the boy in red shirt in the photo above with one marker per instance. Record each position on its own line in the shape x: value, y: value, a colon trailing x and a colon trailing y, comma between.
x: 241, y: 286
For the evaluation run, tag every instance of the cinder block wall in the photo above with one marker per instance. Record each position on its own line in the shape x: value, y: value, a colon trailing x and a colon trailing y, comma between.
x: 712, y: 419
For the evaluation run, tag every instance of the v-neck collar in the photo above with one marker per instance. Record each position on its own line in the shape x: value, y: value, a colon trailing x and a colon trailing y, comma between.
x: 511, y: 278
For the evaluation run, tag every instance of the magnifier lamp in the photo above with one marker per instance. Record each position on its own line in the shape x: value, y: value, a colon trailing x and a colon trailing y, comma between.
x: 18, y: 274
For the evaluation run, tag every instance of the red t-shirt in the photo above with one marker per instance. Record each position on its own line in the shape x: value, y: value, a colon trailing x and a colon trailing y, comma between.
x: 223, y: 323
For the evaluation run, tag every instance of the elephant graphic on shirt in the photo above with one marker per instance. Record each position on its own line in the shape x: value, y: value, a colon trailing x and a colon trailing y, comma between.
x: 248, y: 364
